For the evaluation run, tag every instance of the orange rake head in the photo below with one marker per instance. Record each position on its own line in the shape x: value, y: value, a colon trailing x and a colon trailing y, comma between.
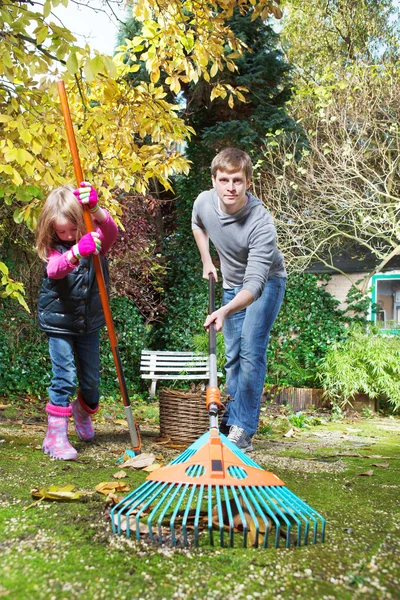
x: 213, y: 486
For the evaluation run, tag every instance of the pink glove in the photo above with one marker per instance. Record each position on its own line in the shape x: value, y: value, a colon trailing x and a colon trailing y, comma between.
x: 86, y: 194
x: 90, y: 243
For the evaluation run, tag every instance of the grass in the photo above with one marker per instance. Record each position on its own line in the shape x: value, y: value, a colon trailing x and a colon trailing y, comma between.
x: 60, y: 550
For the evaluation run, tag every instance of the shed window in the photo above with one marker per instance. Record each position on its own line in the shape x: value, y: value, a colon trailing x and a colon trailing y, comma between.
x: 386, y: 302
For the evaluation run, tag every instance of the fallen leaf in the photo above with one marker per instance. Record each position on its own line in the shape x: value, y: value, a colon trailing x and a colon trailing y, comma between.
x: 376, y: 456
x: 152, y: 467
x: 289, y: 433
x: 55, y: 492
x: 367, y: 473
x: 384, y: 465
x: 107, y: 487
x: 121, y: 422
x: 139, y: 462
x: 19, y: 457
x: 4, y: 406
x: 120, y: 475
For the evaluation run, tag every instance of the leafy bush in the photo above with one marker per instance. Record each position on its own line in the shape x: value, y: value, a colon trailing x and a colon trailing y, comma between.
x: 200, y: 344
x: 308, y: 324
x: 25, y: 366
x: 365, y: 362
x: 132, y: 338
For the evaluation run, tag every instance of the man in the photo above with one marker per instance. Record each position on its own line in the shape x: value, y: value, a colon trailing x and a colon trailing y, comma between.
x: 254, y: 279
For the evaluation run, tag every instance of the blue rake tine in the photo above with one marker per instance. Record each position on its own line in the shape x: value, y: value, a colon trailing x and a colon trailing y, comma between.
x: 305, y: 511
x: 139, y: 499
x: 269, y: 493
x: 262, y: 515
x: 220, y: 516
x: 230, y: 517
x: 209, y: 505
x: 186, y: 514
x: 313, y: 514
x: 154, y: 510
x: 134, y: 498
x: 166, y: 507
x: 243, y: 492
x: 290, y: 507
x: 176, y: 510
x: 116, y: 528
x: 241, y: 514
x: 258, y: 492
x: 157, y: 490
x: 197, y: 515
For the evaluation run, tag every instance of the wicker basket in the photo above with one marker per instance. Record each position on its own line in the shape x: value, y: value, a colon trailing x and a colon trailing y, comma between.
x: 183, y: 415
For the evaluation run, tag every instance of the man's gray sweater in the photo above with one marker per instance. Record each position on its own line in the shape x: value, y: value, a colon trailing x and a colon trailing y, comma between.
x: 245, y: 241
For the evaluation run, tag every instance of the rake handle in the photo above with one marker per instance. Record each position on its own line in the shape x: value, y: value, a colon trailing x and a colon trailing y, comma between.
x: 213, y: 396
x: 135, y: 439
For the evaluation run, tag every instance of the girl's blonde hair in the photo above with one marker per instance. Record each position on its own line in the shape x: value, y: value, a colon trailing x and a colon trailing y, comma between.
x: 61, y: 202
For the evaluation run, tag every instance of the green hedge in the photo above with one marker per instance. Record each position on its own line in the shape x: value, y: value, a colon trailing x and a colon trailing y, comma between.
x: 25, y: 366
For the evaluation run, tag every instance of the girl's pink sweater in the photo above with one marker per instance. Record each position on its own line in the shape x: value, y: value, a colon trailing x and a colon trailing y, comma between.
x: 59, y: 266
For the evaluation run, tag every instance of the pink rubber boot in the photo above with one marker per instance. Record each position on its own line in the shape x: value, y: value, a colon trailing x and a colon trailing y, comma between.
x: 56, y: 443
x: 81, y: 414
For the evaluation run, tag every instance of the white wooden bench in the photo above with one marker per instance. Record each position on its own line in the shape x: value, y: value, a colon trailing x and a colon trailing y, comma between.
x: 161, y: 364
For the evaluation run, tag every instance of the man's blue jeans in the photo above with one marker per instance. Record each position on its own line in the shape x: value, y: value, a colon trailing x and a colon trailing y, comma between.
x: 72, y: 356
x: 246, y: 335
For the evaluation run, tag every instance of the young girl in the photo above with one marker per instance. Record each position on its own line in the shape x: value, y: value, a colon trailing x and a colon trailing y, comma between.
x: 70, y: 310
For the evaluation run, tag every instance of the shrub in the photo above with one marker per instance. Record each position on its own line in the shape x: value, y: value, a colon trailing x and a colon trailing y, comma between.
x: 25, y: 366
x: 308, y: 324
x: 366, y: 362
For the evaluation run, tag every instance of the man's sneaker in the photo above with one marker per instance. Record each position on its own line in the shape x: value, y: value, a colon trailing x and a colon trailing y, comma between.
x: 240, y: 438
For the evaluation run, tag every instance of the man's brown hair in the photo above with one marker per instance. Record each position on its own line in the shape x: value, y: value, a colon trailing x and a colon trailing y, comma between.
x: 231, y: 160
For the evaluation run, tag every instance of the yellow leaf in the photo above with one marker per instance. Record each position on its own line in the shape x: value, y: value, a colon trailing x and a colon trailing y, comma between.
x: 16, y: 178
x: 120, y: 475
x: 214, y: 69
x: 106, y: 487
x: 152, y: 467
x: 62, y: 494
x: 41, y: 35
x: 72, y: 63
x: 46, y: 8
x: 230, y: 101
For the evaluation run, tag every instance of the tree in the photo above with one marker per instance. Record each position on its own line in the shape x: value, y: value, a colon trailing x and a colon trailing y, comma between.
x: 337, y: 186
x: 184, y: 42
x: 343, y: 190
x: 322, y: 35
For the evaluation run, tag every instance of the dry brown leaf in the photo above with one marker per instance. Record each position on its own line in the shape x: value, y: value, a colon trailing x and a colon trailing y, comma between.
x: 4, y: 406
x: 107, y: 487
x: 120, y: 475
x: 139, y: 462
x: 367, y: 473
x: 377, y: 456
x: 152, y: 467
x: 384, y: 465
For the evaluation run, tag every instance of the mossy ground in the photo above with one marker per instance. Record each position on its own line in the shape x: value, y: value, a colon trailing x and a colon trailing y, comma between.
x: 65, y: 550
